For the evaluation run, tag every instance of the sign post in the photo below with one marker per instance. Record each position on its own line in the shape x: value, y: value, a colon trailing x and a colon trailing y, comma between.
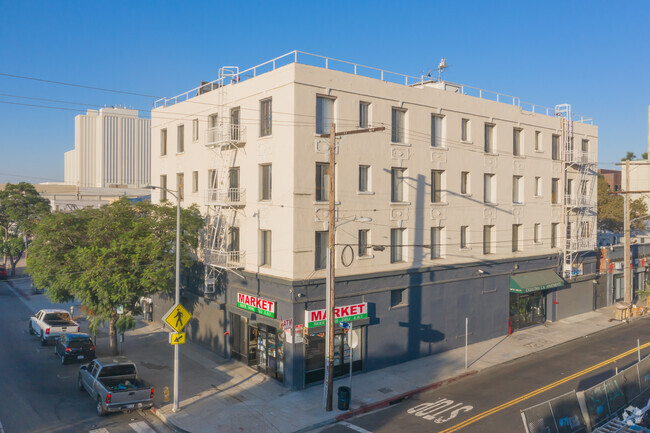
x: 177, y: 318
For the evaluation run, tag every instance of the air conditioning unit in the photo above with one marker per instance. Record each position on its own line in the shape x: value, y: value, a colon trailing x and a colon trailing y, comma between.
x: 618, y: 266
x: 210, y: 286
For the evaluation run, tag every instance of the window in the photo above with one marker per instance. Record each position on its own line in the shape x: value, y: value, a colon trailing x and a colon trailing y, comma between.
x: 517, y: 189
x: 163, y: 142
x: 569, y: 186
x: 585, y: 145
x: 583, y: 188
x: 397, y: 184
x: 436, y: 131
x: 265, y: 182
x: 464, y: 232
x: 554, y: 235
x: 555, y: 193
x: 488, y: 231
x: 436, y: 242
x: 195, y: 181
x: 537, y: 233
x: 538, y: 186
x: 265, y: 247
x: 464, y: 129
x: 364, y: 245
x: 265, y: 117
x: 489, y: 138
x: 195, y: 130
x: 322, y: 181
x: 489, y: 187
x: 396, y: 246
x: 234, y: 123
x: 516, y: 141
x: 397, y: 125
x: 233, y: 240
x: 436, y: 186
x: 212, y: 120
x: 212, y: 179
x: 234, y: 193
x: 464, y: 182
x: 555, y: 148
x: 180, y: 139
x: 180, y: 186
x: 364, y: 175
x: 538, y: 140
x: 324, y: 108
x: 398, y: 298
x: 321, y: 250
x: 163, y: 187
x: 364, y: 114
x: 516, y: 237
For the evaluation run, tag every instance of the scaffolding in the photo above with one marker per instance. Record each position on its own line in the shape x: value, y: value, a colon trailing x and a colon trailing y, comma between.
x: 579, y: 202
x: 224, y: 198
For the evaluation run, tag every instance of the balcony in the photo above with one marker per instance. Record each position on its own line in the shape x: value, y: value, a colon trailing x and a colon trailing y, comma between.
x: 225, y: 197
x: 225, y: 135
x: 580, y: 157
x: 579, y: 200
x: 225, y: 259
x: 581, y: 244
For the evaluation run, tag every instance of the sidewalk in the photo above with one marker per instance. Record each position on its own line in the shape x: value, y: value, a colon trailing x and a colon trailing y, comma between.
x: 226, y: 396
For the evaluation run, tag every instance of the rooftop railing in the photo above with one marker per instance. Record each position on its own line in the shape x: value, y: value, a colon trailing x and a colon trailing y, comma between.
x: 361, y: 70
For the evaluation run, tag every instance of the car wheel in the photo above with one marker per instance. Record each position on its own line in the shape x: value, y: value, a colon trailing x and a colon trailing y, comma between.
x: 63, y: 360
x: 80, y: 385
x: 100, y: 409
x: 43, y: 340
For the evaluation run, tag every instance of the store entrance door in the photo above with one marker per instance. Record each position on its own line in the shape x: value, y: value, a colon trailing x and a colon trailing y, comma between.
x: 269, y: 351
x: 527, y: 309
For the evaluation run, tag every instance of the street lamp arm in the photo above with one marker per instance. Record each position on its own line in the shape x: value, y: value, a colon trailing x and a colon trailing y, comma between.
x: 640, y: 218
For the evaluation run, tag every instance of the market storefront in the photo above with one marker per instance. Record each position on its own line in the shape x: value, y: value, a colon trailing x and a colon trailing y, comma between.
x: 256, y: 340
x: 528, y: 297
x: 356, y: 316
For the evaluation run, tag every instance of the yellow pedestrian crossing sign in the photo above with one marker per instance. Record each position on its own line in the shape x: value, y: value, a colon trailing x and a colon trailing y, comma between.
x: 177, y: 317
x: 176, y: 338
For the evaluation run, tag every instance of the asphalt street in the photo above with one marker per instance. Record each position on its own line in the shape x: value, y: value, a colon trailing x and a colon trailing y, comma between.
x: 490, y: 401
x: 38, y: 394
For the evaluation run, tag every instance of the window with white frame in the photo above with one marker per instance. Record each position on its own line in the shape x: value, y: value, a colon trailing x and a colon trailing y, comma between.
x: 320, y: 250
x: 464, y: 182
x: 195, y: 130
x: 324, y: 114
x: 516, y: 237
x: 516, y: 141
x: 538, y: 140
x: 488, y: 239
x: 364, y: 114
x: 180, y: 139
x: 265, y: 182
x: 464, y: 237
x: 585, y: 145
x: 364, y: 243
x: 555, y: 191
x: 538, y: 186
x: 212, y: 179
x: 537, y: 233
x: 398, y: 117
x: 163, y: 187
x: 397, y: 185
x: 364, y: 178
x: 195, y: 181
x: 436, y: 242
x: 396, y: 245
x: 555, y: 147
x: 322, y: 181
x: 212, y: 120
x: 265, y: 247
x: 163, y: 142
x: 436, y: 185
x: 235, y: 117
x: 436, y: 131
x: 489, y: 144
x: 464, y: 129
x: 265, y: 117
x: 489, y: 188
x: 517, y: 189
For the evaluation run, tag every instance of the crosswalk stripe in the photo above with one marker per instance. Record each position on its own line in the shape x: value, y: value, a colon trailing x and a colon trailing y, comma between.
x: 141, y: 427
x: 354, y: 427
x: 99, y: 430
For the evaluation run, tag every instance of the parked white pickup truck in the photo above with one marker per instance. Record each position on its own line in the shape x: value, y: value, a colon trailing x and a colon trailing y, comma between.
x: 51, y: 324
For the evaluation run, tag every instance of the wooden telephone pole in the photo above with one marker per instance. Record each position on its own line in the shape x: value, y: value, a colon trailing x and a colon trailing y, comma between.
x: 331, y: 260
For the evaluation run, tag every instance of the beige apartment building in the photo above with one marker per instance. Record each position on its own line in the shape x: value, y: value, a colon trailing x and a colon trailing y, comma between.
x: 469, y: 203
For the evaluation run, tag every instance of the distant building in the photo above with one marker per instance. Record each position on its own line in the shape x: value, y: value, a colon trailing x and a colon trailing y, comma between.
x: 612, y: 177
x: 112, y: 149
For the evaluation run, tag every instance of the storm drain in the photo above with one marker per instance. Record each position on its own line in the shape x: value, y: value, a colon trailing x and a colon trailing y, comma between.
x: 385, y: 390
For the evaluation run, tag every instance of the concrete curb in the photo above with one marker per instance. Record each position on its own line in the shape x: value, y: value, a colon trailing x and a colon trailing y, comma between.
x: 161, y: 416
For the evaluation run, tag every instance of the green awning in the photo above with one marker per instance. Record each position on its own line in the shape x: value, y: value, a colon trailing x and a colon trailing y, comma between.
x: 534, y: 281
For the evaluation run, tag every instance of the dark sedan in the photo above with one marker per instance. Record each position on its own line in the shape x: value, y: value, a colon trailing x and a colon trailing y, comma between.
x: 74, y: 347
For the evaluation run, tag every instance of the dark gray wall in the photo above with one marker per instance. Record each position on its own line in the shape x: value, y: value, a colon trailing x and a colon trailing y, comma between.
x: 575, y: 298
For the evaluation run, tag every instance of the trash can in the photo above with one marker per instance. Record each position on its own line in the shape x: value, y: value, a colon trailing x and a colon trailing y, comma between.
x: 344, y: 397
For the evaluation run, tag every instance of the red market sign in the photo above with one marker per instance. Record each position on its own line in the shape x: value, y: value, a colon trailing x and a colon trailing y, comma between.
x: 256, y: 305
x: 348, y: 313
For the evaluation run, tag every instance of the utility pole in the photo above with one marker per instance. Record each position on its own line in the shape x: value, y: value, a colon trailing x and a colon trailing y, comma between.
x: 331, y: 261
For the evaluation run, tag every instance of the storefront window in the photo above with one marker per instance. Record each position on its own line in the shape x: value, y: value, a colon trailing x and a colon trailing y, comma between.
x: 315, y: 355
x: 619, y: 292
x: 258, y: 345
x: 527, y: 309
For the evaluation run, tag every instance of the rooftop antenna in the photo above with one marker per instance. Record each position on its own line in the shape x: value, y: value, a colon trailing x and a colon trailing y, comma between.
x: 441, y: 67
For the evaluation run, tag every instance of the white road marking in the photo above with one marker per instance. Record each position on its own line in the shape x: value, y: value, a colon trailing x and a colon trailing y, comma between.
x: 2, y: 430
x: 354, y: 427
x: 141, y: 427
x: 99, y: 430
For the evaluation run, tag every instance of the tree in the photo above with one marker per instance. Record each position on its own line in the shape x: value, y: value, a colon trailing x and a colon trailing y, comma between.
x: 21, y: 207
x: 610, y: 210
x: 644, y: 155
x: 111, y: 256
x: 629, y: 156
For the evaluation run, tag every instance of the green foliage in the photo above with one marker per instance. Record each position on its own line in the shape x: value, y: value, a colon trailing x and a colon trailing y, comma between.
x: 644, y: 155
x: 95, y: 324
x: 629, y: 156
x: 111, y: 256
x: 125, y: 323
x: 610, y: 210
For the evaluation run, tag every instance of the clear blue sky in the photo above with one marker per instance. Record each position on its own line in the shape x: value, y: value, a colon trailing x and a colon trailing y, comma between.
x: 594, y: 55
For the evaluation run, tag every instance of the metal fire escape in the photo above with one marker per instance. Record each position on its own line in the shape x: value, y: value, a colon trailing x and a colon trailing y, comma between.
x: 579, y: 201
x: 224, y: 197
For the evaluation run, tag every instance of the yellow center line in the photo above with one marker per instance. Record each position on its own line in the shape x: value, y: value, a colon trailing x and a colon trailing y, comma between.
x: 540, y: 390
